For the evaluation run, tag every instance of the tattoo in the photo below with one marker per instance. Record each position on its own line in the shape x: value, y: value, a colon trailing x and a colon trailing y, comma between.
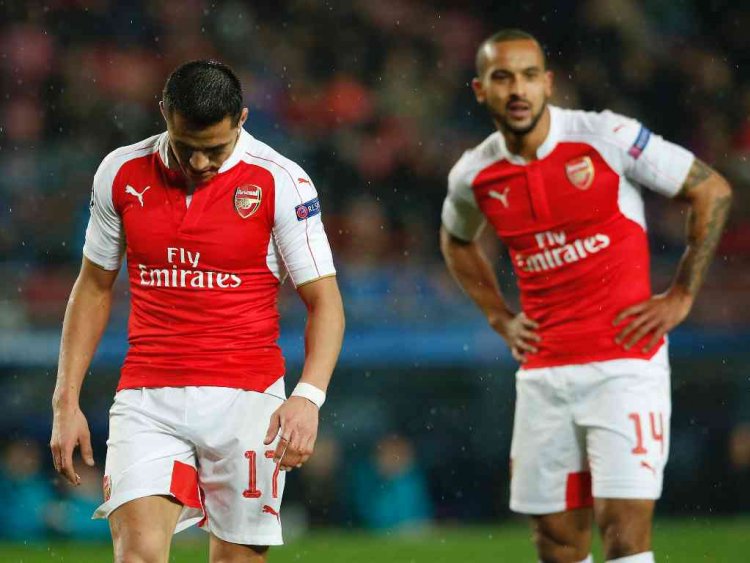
x: 703, y: 238
x: 699, y: 172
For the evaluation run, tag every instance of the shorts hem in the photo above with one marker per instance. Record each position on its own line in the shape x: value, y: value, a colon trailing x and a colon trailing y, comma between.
x: 260, y: 540
x: 537, y: 508
x: 107, y: 508
x: 629, y: 493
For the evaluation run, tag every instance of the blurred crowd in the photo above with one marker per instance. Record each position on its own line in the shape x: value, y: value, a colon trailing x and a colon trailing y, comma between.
x: 373, y: 99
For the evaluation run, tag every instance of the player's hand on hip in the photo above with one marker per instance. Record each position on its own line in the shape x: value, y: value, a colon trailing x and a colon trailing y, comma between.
x: 519, y: 332
x: 296, y: 422
x: 654, y: 318
x: 70, y: 429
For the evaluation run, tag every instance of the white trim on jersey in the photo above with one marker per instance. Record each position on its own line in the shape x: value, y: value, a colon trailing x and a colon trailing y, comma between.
x: 640, y: 157
x: 105, y: 237
x: 461, y: 215
x: 299, y: 244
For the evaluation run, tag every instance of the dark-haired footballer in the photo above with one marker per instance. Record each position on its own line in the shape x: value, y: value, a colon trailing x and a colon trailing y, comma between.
x: 212, y: 220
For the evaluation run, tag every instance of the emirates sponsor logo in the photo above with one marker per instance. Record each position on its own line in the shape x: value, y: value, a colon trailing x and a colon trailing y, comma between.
x: 555, y: 252
x: 183, y: 272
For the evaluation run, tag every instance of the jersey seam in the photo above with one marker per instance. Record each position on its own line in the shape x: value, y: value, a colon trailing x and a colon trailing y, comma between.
x: 307, y: 233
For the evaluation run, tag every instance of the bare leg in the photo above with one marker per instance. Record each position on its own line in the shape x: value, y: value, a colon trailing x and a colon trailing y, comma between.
x: 625, y: 525
x: 563, y: 537
x: 221, y: 551
x: 142, y: 529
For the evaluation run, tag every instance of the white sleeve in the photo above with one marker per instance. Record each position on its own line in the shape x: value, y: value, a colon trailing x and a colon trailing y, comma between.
x: 461, y: 215
x: 298, y: 230
x: 105, y: 239
x: 647, y: 158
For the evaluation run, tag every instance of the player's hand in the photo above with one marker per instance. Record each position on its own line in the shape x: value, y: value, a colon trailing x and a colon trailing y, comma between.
x: 297, y: 422
x: 69, y: 429
x: 654, y: 317
x: 519, y: 332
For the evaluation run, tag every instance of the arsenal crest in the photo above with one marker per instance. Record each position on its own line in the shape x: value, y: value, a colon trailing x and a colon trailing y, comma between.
x: 247, y: 200
x: 580, y: 172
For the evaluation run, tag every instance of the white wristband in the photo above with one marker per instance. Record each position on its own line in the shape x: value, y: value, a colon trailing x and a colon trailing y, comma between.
x: 310, y: 392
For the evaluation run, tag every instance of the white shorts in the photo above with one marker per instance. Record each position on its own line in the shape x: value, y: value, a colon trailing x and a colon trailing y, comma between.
x: 204, y: 447
x: 597, y: 430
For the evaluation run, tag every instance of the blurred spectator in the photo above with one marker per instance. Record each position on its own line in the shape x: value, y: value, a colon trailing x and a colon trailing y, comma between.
x: 25, y: 491
x: 322, y: 483
x: 71, y: 516
x: 390, y: 490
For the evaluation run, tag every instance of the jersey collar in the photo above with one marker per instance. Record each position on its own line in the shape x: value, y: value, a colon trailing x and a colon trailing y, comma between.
x: 239, y: 149
x: 547, y: 146
x: 553, y: 135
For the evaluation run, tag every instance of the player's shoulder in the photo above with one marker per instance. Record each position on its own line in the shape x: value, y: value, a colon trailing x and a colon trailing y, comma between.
x: 110, y: 167
x: 476, y: 159
x: 284, y: 170
x: 121, y: 155
x: 605, y: 125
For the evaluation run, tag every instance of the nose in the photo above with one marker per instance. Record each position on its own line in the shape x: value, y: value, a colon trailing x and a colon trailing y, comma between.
x: 518, y: 87
x: 199, y: 161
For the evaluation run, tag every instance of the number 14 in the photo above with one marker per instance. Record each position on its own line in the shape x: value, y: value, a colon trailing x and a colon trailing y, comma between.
x: 656, y: 434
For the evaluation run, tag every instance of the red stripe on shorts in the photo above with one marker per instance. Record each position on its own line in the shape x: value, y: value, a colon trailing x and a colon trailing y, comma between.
x: 578, y: 491
x: 184, y: 486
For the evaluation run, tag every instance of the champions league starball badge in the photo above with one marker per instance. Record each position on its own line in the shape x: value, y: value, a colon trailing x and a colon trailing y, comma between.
x: 247, y: 200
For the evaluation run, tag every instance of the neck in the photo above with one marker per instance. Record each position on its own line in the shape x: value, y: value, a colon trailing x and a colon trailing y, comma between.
x: 526, y: 145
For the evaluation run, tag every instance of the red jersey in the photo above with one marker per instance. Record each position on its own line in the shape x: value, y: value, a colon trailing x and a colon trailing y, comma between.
x: 573, y: 222
x: 205, y: 268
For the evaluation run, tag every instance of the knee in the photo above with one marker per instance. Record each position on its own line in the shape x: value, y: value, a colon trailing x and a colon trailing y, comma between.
x: 555, y: 547
x: 622, y: 538
x: 225, y: 552
x: 138, y: 546
x: 625, y: 527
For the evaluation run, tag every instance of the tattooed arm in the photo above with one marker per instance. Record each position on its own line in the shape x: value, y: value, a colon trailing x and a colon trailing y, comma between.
x: 709, y: 196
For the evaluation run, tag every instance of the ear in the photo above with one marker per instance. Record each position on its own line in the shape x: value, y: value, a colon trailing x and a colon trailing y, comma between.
x: 548, y: 83
x: 478, y: 88
x: 243, y: 118
x: 163, y: 110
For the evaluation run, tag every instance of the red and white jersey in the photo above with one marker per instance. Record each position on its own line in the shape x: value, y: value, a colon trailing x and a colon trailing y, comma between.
x: 205, y: 269
x: 573, y: 221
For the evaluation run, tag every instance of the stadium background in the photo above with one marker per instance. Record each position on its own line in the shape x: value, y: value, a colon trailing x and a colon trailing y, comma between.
x: 373, y: 99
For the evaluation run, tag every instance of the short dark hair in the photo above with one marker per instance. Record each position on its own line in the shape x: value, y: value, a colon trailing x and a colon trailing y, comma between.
x: 204, y: 92
x: 509, y: 34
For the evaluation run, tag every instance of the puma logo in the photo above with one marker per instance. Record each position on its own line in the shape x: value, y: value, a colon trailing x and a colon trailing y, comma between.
x: 303, y: 181
x: 268, y: 510
x: 620, y: 126
x: 647, y: 465
x: 502, y: 197
x: 130, y: 190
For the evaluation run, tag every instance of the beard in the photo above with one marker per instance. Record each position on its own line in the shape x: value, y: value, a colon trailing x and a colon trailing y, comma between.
x: 505, y: 125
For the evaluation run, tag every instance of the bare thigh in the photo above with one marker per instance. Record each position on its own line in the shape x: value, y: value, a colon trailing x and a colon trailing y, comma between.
x: 221, y: 551
x: 142, y: 529
x: 563, y: 537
